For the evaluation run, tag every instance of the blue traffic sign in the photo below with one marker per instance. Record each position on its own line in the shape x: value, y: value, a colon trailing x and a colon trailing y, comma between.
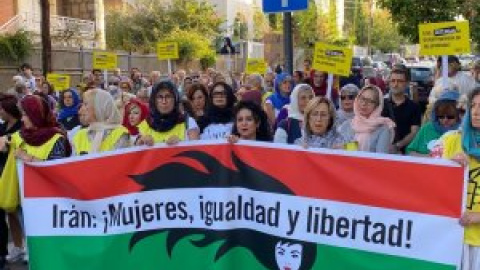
x: 275, y: 6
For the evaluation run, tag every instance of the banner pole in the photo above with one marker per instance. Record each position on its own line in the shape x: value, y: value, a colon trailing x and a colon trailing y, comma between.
x: 169, y: 67
x: 105, y: 79
x: 329, y: 86
x: 445, y: 71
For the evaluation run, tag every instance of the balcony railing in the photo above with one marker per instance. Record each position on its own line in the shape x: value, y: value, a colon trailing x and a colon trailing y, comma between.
x: 58, y: 24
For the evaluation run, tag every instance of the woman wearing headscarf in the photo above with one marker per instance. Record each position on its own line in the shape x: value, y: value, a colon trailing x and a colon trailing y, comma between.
x: 371, y: 131
x: 290, y: 129
x: 281, y: 97
x: 69, y: 106
x: 219, y: 112
x: 166, y: 123
x: 105, y: 131
x: 40, y: 137
x: 462, y: 146
x: 135, y: 112
x: 250, y: 123
x: 320, y: 85
x: 319, y: 128
x: 348, y: 93
x: 445, y: 117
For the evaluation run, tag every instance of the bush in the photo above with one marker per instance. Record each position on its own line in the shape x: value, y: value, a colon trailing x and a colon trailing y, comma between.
x: 15, y: 47
x: 191, y: 45
x: 207, y: 61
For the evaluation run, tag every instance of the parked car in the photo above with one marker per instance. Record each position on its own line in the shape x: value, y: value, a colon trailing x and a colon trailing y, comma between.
x: 423, y: 76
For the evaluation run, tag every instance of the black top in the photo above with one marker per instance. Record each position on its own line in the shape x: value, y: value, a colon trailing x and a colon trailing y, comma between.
x: 70, y: 122
x: 404, y: 115
x: 4, y: 131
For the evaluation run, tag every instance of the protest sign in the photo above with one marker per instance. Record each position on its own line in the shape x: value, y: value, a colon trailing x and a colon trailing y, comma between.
x: 104, y: 60
x: 60, y: 82
x: 332, y: 59
x: 447, y: 38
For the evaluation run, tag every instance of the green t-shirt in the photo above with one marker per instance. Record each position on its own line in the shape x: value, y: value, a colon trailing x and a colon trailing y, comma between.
x: 426, y: 135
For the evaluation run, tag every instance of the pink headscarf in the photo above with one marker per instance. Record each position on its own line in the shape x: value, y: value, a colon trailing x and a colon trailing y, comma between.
x: 364, y: 127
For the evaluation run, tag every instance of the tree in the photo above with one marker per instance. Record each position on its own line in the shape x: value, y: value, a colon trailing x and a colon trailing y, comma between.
x: 260, y: 24
x: 305, y: 24
x: 471, y: 11
x: 410, y: 13
x: 385, y: 32
x: 140, y: 27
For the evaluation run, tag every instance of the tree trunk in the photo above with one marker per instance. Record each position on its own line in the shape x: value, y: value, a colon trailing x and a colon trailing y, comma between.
x: 45, y: 33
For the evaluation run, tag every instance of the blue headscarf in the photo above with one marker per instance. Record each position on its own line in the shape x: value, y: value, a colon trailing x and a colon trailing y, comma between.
x: 278, y: 100
x: 470, y: 136
x: 447, y: 96
x: 69, y: 111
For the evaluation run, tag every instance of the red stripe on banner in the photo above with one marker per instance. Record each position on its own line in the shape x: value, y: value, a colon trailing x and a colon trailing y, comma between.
x: 423, y: 188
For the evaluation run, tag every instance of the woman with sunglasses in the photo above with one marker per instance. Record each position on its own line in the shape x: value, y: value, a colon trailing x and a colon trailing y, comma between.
x: 348, y: 93
x: 444, y: 117
x: 371, y: 131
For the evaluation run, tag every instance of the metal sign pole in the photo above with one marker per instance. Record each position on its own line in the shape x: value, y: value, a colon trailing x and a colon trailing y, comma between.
x: 288, y: 42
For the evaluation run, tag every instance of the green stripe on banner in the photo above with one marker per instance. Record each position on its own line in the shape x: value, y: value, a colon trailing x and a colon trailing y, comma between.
x: 112, y: 252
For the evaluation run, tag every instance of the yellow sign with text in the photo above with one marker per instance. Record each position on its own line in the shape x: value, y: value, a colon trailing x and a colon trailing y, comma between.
x: 256, y: 66
x: 332, y: 59
x: 60, y: 82
x: 104, y: 60
x: 447, y: 38
x: 167, y: 50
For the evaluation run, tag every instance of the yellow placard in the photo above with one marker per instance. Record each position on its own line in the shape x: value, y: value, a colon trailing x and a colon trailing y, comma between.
x: 332, y: 59
x: 256, y: 66
x: 167, y: 50
x: 447, y: 38
x: 104, y: 60
x: 60, y: 82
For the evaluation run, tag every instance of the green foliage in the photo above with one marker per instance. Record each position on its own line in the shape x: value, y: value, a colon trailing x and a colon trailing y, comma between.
x: 208, y: 60
x: 471, y: 11
x: 140, y: 27
x: 15, y: 47
x: 410, y: 13
x: 240, y: 28
x: 305, y: 23
x: 260, y: 24
x: 385, y: 33
x: 191, y: 45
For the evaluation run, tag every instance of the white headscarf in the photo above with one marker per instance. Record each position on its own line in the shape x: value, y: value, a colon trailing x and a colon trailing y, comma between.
x: 106, y: 113
x: 293, y: 109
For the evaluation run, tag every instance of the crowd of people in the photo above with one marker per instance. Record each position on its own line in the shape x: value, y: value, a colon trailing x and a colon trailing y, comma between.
x: 40, y: 124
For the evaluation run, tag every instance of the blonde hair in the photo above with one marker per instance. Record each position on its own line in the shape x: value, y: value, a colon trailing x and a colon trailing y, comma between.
x: 314, y: 103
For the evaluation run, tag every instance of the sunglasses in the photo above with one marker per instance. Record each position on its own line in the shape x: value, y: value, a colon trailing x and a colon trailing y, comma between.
x: 449, y: 117
x: 349, y: 97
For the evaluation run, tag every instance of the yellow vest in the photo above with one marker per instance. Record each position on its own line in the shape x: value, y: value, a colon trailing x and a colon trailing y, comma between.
x: 161, y: 137
x: 39, y: 152
x: 452, y: 145
x: 82, y: 143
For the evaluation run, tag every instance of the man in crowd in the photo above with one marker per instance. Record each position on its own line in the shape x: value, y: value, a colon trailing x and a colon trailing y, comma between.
x: 403, y: 111
x: 464, y: 82
x: 26, y: 71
